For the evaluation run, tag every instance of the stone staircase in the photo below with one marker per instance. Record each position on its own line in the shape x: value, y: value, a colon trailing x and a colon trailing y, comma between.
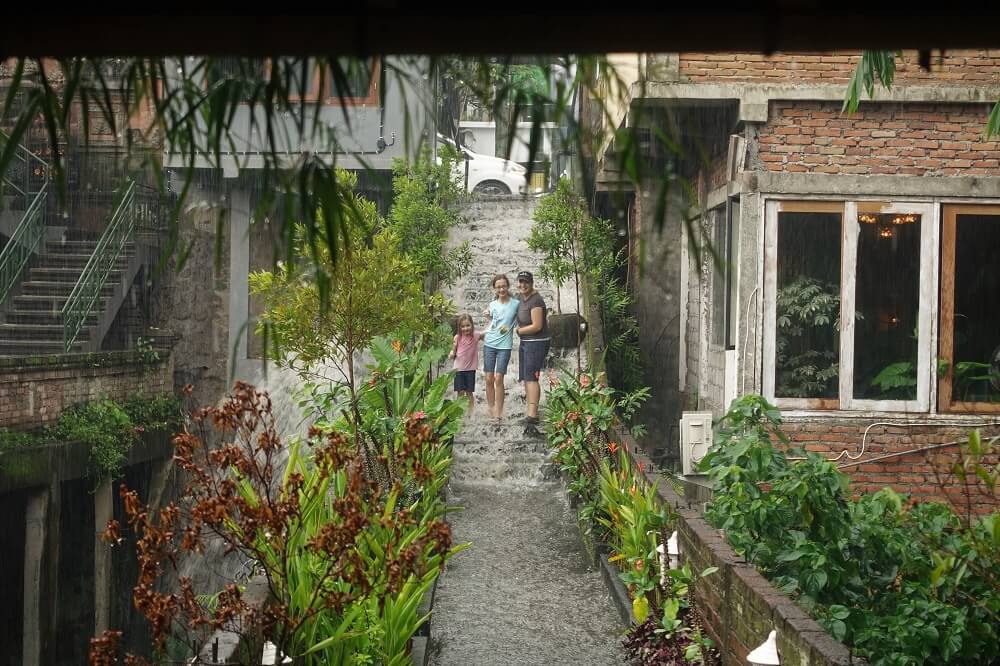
x: 495, y: 603
x: 32, y: 319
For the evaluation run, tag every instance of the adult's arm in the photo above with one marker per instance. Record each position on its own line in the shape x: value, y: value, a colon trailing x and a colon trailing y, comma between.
x: 536, y: 323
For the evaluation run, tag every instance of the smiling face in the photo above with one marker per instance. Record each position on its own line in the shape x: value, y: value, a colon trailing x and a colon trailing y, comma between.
x: 465, y: 328
x: 502, y: 288
x: 524, y: 288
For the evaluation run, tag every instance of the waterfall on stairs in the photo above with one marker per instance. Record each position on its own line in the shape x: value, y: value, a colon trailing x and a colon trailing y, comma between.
x: 523, y: 593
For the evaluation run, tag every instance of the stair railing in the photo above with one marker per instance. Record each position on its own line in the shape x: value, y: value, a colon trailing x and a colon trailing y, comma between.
x: 87, y: 290
x: 23, y: 176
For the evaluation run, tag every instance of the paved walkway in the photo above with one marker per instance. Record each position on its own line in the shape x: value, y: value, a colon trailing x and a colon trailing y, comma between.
x: 523, y: 593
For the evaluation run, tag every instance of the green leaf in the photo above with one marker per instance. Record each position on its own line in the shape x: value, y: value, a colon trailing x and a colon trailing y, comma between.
x: 640, y: 608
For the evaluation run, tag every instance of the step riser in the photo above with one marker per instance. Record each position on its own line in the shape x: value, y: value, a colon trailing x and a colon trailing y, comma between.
x: 48, y: 304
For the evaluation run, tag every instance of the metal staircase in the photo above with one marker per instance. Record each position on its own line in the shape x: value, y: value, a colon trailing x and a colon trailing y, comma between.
x: 62, y: 296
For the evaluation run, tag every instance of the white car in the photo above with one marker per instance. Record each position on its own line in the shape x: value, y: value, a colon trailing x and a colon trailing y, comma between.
x: 488, y: 175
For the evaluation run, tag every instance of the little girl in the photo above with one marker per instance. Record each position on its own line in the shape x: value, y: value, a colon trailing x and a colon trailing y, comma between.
x: 465, y: 351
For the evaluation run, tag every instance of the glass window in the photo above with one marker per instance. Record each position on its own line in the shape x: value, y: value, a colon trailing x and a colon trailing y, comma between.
x: 350, y: 78
x: 733, y: 244
x: 887, y: 301
x: 720, y: 270
x: 807, y: 305
x: 969, y: 366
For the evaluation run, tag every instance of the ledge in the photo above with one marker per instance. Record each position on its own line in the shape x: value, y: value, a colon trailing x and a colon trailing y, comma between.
x: 43, y: 464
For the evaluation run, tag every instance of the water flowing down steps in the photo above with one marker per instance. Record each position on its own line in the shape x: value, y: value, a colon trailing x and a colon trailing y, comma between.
x: 524, y: 592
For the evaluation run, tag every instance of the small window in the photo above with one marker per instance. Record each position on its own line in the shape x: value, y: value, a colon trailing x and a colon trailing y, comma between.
x: 352, y: 80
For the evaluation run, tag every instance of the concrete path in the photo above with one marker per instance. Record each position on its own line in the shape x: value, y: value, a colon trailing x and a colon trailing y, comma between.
x: 523, y: 593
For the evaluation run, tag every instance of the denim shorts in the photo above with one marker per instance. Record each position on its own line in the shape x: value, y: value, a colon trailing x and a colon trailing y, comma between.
x: 495, y: 360
x: 465, y: 380
x: 531, y: 360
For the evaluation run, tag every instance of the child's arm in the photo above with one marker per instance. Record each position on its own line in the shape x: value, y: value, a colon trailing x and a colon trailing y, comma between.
x: 454, y: 347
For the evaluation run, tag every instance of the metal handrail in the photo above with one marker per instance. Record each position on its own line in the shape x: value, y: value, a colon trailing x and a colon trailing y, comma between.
x: 22, y: 181
x: 23, y: 243
x: 87, y: 289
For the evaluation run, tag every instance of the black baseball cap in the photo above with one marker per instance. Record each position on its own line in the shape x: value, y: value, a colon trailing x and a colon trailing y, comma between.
x: 525, y: 276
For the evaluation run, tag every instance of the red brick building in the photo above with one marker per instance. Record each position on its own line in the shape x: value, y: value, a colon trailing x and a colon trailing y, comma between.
x: 858, y: 280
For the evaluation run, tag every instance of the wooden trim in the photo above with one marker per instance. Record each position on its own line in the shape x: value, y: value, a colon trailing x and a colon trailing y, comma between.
x: 803, y: 206
x: 371, y: 98
x: 946, y: 342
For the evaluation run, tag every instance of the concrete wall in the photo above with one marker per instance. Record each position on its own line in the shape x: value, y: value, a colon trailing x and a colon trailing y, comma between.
x: 357, y: 127
x: 35, y: 391
x: 659, y: 314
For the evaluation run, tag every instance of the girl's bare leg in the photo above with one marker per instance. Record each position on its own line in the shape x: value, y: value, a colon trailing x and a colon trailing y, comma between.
x: 498, y: 395
x: 490, y: 396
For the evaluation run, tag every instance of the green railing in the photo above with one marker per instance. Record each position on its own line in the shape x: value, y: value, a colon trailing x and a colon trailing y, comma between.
x: 87, y: 291
x: 24, y: 186
x: 23, y: 243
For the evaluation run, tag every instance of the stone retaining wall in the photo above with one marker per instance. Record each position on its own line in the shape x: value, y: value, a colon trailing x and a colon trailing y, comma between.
x: 34, y: 391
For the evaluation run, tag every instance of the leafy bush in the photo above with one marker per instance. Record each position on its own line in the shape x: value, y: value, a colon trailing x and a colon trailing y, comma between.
x: 105, y: 428
x: 422, y: 213
x: 12, y: 439
x: 874, y: 572
x: 346, y: 560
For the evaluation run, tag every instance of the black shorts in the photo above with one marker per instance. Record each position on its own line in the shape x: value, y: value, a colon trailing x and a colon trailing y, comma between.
x: 531, y: 359
x: 465, y: 380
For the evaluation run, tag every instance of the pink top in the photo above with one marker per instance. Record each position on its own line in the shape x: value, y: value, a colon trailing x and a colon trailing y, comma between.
x: 466, y: 352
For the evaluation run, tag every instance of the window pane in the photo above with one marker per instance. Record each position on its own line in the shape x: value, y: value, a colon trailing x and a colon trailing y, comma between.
x: 887, y: 300
x: 353, y: 80
x: 977, y: 319
x: 290, y: 72
x: 732, y: 302
x: 808, y: 306
x: 719, y: 271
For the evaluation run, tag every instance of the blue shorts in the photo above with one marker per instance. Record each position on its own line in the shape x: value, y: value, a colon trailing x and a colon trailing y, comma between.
x: 495, y: 360
x: 465, y: 380
x: 531, y: 360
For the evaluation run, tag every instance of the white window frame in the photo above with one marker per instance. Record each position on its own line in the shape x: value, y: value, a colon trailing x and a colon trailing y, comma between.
x: 927, y: 306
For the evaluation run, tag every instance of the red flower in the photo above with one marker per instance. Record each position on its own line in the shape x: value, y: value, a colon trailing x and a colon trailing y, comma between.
x: 642, y: 467
x: 612, y: 446
x: 418, y: 416
x: 584, y: 381
x: 639, y: 564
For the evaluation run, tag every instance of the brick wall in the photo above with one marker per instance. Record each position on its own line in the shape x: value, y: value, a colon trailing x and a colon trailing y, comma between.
x: 35, y: 391
x: 970, y: 66
x: 910, y: 139
x: 923, y: 475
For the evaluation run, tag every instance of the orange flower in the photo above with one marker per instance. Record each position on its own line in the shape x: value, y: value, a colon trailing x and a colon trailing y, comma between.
x: 584, y: 381
x: 639, y: 564
x: 642, y: 467
x: 612, y: 447
x: 398, y: 346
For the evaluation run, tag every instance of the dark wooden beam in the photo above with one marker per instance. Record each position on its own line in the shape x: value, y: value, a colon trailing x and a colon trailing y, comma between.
x: 384, y: 27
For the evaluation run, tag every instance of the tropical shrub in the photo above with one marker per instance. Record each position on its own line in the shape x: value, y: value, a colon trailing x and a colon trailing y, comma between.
x: 899, y: 584
x: 346, y: 560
